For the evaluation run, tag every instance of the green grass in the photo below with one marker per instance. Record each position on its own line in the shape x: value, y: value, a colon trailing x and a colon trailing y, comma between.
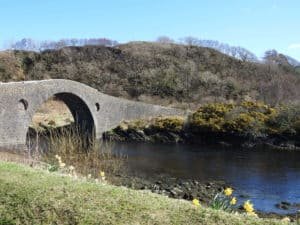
x: 35, y: 196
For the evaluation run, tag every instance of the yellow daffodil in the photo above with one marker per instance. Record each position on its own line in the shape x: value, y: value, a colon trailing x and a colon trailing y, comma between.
x: 62, y: 165
x: 58, y: 157
x: 233, y: 201
x: 228, y: 191
x: 248, y: 207
x: 196, y: 202
x: 102, y: 174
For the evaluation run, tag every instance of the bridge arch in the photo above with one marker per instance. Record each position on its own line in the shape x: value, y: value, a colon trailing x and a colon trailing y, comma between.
x: 81, y: 112
x: 82, y: 115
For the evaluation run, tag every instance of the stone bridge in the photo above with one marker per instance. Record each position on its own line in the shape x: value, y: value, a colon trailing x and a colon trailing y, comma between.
x: 90, y: 108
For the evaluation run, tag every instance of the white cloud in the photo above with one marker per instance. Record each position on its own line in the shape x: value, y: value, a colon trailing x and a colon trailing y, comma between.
x: 294, y: 46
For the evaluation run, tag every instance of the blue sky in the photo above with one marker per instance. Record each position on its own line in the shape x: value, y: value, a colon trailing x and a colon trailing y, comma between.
x: 257, y: 25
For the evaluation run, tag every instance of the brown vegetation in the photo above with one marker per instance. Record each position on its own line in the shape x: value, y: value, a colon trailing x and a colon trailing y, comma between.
x: 162, y: 73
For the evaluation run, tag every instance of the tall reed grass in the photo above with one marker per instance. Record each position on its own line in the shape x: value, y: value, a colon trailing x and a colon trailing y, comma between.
x: 79, y: 150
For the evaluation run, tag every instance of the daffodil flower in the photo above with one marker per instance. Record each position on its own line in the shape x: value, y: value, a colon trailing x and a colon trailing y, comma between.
x: 196, y: 202
x: 233, y: 201
x: 58, y: 158
x: 228, y: 191
x: 248, y: 207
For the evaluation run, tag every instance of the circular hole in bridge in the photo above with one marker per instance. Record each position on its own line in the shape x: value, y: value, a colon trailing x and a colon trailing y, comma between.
x: 97, y: 106
x: 23, y: 103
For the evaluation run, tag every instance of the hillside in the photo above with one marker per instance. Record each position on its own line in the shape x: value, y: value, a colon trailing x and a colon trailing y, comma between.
x: 168, y: 74
x: 293, y: 61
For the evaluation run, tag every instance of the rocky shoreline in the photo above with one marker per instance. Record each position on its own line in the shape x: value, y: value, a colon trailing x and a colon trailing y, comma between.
x: 246, y: 124
x: 190, y: 189
x: 121, y: 134
x: 187, y: 189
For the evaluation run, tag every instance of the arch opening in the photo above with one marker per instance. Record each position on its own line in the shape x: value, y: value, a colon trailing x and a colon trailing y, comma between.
x: 62, y: 112
x: 81, y: 113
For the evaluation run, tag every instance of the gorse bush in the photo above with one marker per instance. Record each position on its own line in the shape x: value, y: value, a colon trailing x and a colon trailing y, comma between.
x: 174, y: 123
x: 171, y: 123
x: 287, y: 120
x: 246, y: 118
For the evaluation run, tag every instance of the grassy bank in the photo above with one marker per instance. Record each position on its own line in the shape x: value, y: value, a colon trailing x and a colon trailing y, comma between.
x: 32, y: 196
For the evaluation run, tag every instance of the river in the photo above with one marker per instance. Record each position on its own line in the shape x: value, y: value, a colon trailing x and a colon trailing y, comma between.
x: 266, y: 177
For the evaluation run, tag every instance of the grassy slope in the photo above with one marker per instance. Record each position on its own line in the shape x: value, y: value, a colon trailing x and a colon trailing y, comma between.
x: 31, y: 196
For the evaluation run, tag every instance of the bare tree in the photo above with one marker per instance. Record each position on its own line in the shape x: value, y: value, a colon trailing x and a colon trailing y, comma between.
x: 237, y: 52
x: 270, y: 56
x: 26, y: 44
x: 164, y: 39
x: 29, y: 44
x: 189, y: 40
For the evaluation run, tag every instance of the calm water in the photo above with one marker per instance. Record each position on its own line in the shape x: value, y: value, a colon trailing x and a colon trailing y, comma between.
x: 266, y: 177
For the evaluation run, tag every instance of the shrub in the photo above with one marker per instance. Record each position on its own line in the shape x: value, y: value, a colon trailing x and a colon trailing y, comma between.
x: 174, y: 123
x: 296, y: 127
x: 209, y: 118
x: 286, y: 121
x: 247, y: 118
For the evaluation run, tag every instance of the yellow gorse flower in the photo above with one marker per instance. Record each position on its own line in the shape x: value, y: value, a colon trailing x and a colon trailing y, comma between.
x: 233, y: 201
x: 248, y: 207
x: 228, y: 191
x: 196, y: 202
